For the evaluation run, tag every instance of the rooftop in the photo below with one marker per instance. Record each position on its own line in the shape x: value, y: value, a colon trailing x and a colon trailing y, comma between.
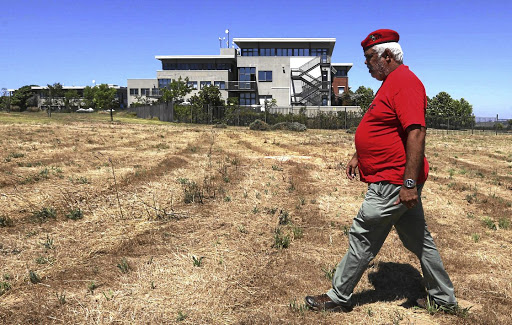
x: 170, y: 57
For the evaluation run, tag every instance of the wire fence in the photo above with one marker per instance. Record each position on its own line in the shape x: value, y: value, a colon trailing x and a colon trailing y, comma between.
x: 312, y: 117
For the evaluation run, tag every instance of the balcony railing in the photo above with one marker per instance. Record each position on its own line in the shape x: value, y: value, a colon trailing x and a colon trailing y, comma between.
x: 241, y: 85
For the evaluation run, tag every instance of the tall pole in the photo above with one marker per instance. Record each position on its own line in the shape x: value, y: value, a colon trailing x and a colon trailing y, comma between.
x: 227, y: 43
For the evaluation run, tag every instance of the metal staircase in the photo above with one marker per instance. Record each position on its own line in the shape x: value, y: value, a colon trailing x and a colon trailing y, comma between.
x: 312, y: 88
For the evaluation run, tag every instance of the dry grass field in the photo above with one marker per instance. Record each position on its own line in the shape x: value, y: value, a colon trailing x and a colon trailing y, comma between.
x: 143, y: 222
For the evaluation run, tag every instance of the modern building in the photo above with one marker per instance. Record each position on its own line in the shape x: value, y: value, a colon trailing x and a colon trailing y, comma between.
x: 57, y: 103
x: 293, y: 71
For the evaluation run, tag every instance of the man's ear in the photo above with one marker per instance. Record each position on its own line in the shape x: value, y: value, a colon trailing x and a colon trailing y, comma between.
x: 388, y: 56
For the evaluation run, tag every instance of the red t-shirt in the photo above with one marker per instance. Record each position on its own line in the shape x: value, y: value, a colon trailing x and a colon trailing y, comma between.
x: 381, y: 138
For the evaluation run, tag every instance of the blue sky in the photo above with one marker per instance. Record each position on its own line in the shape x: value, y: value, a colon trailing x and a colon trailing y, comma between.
x: 461, y: 47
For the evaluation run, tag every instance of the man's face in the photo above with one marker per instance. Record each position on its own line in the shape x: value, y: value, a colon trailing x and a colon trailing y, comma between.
x: 375, y: 64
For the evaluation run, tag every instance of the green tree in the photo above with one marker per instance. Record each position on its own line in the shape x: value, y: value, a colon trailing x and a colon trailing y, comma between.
x: 203, y: 104
x: 442, y: 105
x: 363, y: 97
x: 105, y: 98
x: 142, y: 101
x: 71, y: 97
x: 89, y: 97
x: 268, y: 104
x: 176, y: 90
x: 21, y: 95
x: 5, y: 100
x: 444, y: 110
x: 54, y: 93
x: 347, y: 98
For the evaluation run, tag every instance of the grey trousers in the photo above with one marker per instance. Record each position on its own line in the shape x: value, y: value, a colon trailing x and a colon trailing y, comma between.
x: 370, y: 228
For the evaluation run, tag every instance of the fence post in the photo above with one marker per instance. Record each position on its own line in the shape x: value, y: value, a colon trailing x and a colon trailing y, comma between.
x: 496, y: 124
x: 345, y: 118
x: 448, y: 125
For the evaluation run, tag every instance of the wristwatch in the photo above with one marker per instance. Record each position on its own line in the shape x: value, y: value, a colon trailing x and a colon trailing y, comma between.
x: 410, y: 183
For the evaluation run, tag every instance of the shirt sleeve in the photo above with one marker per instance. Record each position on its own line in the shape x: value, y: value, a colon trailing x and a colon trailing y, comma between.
x: 410, y: 104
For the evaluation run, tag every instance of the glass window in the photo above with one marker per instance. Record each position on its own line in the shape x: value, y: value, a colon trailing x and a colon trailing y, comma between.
x: 155, y: 92
x: 341, y: 72
x: 341, y: 90
x: 134, y: 91
x: 247, y: 74
x: 205, y: 83
x: 247, y: 98
x: 144, y: 91
x: 220, y: 84
x: 264, y: 75
x: 162, y: 83
x: 192, y: 84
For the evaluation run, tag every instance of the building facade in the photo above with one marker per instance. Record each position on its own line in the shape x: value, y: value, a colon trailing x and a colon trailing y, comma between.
x: 292, y: 71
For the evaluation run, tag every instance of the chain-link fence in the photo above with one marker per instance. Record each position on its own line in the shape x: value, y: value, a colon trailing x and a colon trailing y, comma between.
x: 313, y: 117
x: 468, y: 125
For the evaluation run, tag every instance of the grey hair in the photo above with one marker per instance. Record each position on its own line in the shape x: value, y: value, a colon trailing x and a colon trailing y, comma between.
x: 394, y: 47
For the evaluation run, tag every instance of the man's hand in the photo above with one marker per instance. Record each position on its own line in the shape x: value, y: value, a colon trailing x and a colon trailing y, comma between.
x: 408, y: 197
x: 352, y: 167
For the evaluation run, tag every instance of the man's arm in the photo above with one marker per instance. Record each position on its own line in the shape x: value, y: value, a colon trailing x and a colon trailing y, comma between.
x: 352, y: 167
x: 415, y: 153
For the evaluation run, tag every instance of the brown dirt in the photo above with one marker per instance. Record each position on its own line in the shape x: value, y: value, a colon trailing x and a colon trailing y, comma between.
x: 129, y: 180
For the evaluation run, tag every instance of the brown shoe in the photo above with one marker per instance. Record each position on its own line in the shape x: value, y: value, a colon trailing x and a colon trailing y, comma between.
x: 323, y: 302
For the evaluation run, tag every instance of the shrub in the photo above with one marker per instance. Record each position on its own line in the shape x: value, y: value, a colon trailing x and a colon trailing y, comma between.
x: 259, y: 125
x: 220, y: 126
x: 290, y: 126
x: 44, y: 214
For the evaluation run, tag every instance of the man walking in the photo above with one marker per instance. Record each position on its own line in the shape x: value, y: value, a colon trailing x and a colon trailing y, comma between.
x: 390, y: 146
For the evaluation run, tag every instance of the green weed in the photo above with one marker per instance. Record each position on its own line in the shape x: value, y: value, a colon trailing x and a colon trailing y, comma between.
x: 91, y: 287
x: 198, y: 262
x: 297, y: 232
x: 284, y: 217
x: 48, y: 243
x: 489, y: 223
x: 124, y: 266
x: 61, y: 298
x: 277, y: 168
x: 329, y: 272
x: 504, y: 223
x: 181, y: 316
x: 44, y: 214
x: 4, y: 287
x: 280, y: 240
x: 45, y: 260
x: 475, y: 237
x: 297, y: 307
x: 33, y: 277
x: 242, y: 230
x: 75, y: 214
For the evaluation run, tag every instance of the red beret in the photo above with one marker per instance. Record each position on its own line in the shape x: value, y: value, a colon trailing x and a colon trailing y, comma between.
x: 378, y: 37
